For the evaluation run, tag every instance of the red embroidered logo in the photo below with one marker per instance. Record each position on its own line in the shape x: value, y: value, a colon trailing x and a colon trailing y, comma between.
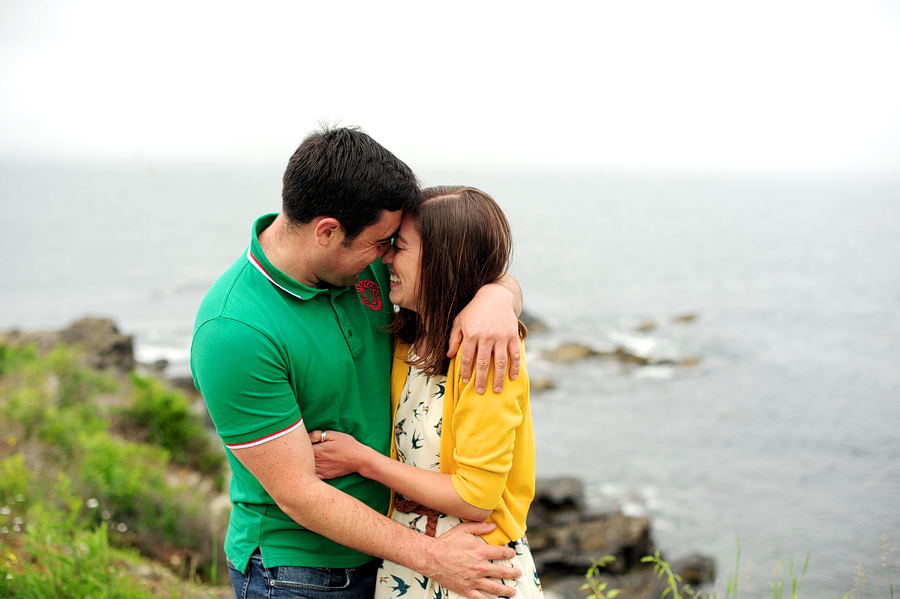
x: 369, y: 294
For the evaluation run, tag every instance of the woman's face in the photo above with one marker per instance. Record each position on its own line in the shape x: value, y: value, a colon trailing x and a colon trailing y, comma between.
x: 404, y: 258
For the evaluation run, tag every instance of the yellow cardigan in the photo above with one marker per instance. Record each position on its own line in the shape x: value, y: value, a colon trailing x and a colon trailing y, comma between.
x: 487, y: 443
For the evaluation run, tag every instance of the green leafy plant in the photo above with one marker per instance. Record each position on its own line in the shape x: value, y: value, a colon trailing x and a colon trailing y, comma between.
x: 732, y: 587
x: 599, y: 590
x: 165, y: 418
x: 887, y: 550
x: 778, y: 585
x: 662, y: 568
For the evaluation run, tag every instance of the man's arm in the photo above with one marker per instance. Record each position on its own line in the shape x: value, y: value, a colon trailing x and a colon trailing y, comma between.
x: 489, y: 325
x: 456, y: 560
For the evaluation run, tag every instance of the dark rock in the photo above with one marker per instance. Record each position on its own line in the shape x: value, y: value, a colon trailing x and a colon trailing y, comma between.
x: 566, y: 540
x: 559, y: 494
x: 103, y: 345
x: 573, y: 547
x: 685, y: 318
x: 695, y: 569
x: 690, y: 361
x: 185, y: 384
x: 542, y: 384
x: 616, y: 534
x: 628, y: 357
x: 569, y: 352
x: 646, y: 326
x: 159, y: 365
x: 534, y: 325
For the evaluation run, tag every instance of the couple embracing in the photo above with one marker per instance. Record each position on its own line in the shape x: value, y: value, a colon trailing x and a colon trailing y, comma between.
x: 363, y: 364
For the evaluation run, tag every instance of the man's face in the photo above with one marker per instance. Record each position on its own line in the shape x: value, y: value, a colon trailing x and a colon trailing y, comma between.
x: 345, y: 263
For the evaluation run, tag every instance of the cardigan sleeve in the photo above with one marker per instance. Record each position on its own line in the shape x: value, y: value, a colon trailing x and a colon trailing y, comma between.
x: 484, y: 435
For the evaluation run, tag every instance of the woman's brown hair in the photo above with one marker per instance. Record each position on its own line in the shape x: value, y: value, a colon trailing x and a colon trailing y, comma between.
x: 466, y: 244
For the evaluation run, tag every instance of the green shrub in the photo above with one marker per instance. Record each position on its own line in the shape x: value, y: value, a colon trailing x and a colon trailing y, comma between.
x: 129, y: 482
x: 15, y: 479
x: 75, y: 384
x: 13, y: 356
x: 54, y: 425
x: 122, y: 474
x: 165, y: 416
x: 51, y: 397
x: 59, y: 556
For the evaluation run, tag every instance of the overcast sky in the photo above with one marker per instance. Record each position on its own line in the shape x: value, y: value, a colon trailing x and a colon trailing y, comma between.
x: 792, y: 84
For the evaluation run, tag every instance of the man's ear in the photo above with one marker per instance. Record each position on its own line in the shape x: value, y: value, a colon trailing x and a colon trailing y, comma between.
x: 328, y: 230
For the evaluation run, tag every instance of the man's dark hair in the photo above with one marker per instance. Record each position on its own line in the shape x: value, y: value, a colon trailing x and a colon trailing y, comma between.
x: 345, y: 174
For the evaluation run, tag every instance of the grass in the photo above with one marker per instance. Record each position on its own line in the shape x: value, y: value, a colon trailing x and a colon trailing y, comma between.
x: 675, y: 588
x: 89, y: 483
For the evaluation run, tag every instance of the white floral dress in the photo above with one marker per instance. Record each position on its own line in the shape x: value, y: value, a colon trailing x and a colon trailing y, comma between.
x: 418, y: 435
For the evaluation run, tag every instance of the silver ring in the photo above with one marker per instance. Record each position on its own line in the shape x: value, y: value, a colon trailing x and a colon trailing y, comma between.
x: 322, y: 438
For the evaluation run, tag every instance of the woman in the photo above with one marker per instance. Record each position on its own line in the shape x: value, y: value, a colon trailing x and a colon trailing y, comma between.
x: 464, y: 455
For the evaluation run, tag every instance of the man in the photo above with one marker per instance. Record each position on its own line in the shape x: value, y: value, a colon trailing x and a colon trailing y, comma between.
x: 292, y: 338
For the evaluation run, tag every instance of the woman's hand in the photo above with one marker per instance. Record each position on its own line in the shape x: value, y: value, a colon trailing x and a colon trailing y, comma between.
x: 337, y: 453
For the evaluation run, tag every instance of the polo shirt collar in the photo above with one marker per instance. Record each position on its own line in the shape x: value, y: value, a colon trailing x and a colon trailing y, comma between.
x: 258, y: 259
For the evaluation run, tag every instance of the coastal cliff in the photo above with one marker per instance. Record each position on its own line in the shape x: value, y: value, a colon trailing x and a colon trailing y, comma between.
x: 565, y: 536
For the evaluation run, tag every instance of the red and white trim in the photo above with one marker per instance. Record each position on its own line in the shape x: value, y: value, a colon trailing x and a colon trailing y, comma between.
x: 266, y: 439
x: 259, y: 267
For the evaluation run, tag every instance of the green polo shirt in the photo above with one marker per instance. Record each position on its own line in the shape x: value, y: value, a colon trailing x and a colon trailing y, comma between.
x: 268, y: 354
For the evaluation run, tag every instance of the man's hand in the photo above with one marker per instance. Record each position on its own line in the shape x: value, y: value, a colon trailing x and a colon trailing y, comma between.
x: 465, y: 567
x: 489, y: 326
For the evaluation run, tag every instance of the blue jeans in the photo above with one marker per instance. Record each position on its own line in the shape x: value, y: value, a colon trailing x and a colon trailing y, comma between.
x: 291, y: 582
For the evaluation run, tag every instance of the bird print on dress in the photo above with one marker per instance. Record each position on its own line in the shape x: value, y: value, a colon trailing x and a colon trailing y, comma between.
x: 409, y: 375
x: 401, y: 587
x: 398, y: 429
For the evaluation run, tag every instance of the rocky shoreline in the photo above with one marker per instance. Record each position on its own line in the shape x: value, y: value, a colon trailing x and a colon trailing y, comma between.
x: 565, y: 536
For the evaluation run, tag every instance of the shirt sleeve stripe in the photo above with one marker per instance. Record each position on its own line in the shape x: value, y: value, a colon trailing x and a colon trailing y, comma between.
x: 267, y: 438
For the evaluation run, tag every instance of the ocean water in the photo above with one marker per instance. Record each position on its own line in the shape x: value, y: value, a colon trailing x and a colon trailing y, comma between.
x: 784, y: 435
